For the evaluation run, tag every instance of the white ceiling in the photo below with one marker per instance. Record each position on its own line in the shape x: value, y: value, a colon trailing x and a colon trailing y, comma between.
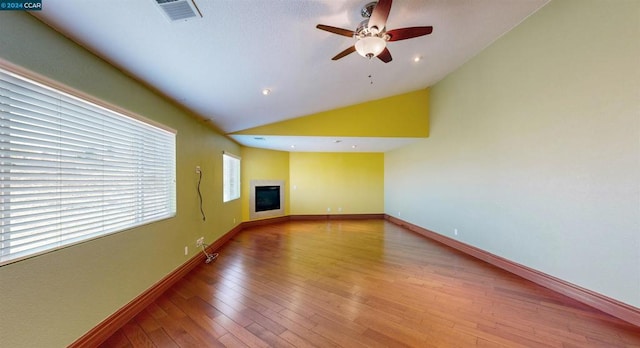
x: 218, y: 65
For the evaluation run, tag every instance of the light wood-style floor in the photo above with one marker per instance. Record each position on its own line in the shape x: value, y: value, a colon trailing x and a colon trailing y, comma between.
x: 361, y: 284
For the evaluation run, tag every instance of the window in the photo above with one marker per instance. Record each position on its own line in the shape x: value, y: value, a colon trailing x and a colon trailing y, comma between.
x: 71, y: 170
x: 230, y: 177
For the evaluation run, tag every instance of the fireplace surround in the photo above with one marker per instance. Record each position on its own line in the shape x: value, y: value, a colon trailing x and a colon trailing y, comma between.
x: 266, y: 199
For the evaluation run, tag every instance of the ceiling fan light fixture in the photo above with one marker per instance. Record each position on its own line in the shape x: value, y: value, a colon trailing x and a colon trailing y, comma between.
x: 370, y: 46
x: 372, y: 35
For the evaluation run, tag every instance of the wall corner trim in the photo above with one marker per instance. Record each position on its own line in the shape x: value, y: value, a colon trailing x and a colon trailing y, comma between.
x: 593, y: 299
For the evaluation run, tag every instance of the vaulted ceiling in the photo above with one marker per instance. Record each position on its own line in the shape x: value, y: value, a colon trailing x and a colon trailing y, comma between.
x: 218, y: 63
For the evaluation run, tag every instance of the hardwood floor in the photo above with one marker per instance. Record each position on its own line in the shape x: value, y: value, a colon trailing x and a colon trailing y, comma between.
x: 361, y: 284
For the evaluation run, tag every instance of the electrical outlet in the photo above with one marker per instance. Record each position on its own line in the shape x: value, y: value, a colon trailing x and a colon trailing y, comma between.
x: 328, y: 210
x: 186, y: 250
x: 197, y: 169
x: 200, y: 242
x: 455, y: 231
x: 340, y: 209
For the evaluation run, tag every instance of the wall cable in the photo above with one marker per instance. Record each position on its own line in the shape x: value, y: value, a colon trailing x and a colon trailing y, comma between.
x: 210, y: 257
x: 204, y: 218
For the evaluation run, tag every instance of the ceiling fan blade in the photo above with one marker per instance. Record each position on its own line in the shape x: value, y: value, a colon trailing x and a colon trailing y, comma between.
x: 380, y: 14
x: 385, y: 55
x: 339, y: 31
x: 346, y: 52
x: 408, y: 33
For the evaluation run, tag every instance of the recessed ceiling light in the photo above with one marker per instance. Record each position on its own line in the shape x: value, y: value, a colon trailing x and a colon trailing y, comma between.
x: 417, y: 59
x: 266, y: 91
x: 293, y: 146
x: 354, y: 146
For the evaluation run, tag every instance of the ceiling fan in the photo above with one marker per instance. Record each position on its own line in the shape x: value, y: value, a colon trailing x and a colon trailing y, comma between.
x: 371, y: 34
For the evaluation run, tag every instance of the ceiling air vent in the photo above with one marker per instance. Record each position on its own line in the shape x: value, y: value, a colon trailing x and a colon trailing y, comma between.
x: 177, y: 10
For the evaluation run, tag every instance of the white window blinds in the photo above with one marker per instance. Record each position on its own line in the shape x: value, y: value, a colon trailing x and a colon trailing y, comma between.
x: 230, y: 177
x: 71, y: 170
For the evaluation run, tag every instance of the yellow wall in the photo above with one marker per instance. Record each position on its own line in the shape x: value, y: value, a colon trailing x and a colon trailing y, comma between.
x: 52, y: 299
x: 346, y: 183
x: 405, y: 115
x: 260, y: 164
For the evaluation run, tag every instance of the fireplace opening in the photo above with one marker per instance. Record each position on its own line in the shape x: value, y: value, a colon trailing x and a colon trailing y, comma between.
x: 267, y: 198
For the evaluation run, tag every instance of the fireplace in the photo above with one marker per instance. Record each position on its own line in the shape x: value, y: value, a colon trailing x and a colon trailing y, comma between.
x: 266, y: 198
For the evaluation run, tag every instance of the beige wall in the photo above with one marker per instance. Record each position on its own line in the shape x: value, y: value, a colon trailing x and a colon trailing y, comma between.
x: 534, y: 153
x: 51, y: 300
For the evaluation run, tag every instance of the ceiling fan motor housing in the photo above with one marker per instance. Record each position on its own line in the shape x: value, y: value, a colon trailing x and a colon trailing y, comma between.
x: 367, y: 10
x: 363, y: 31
